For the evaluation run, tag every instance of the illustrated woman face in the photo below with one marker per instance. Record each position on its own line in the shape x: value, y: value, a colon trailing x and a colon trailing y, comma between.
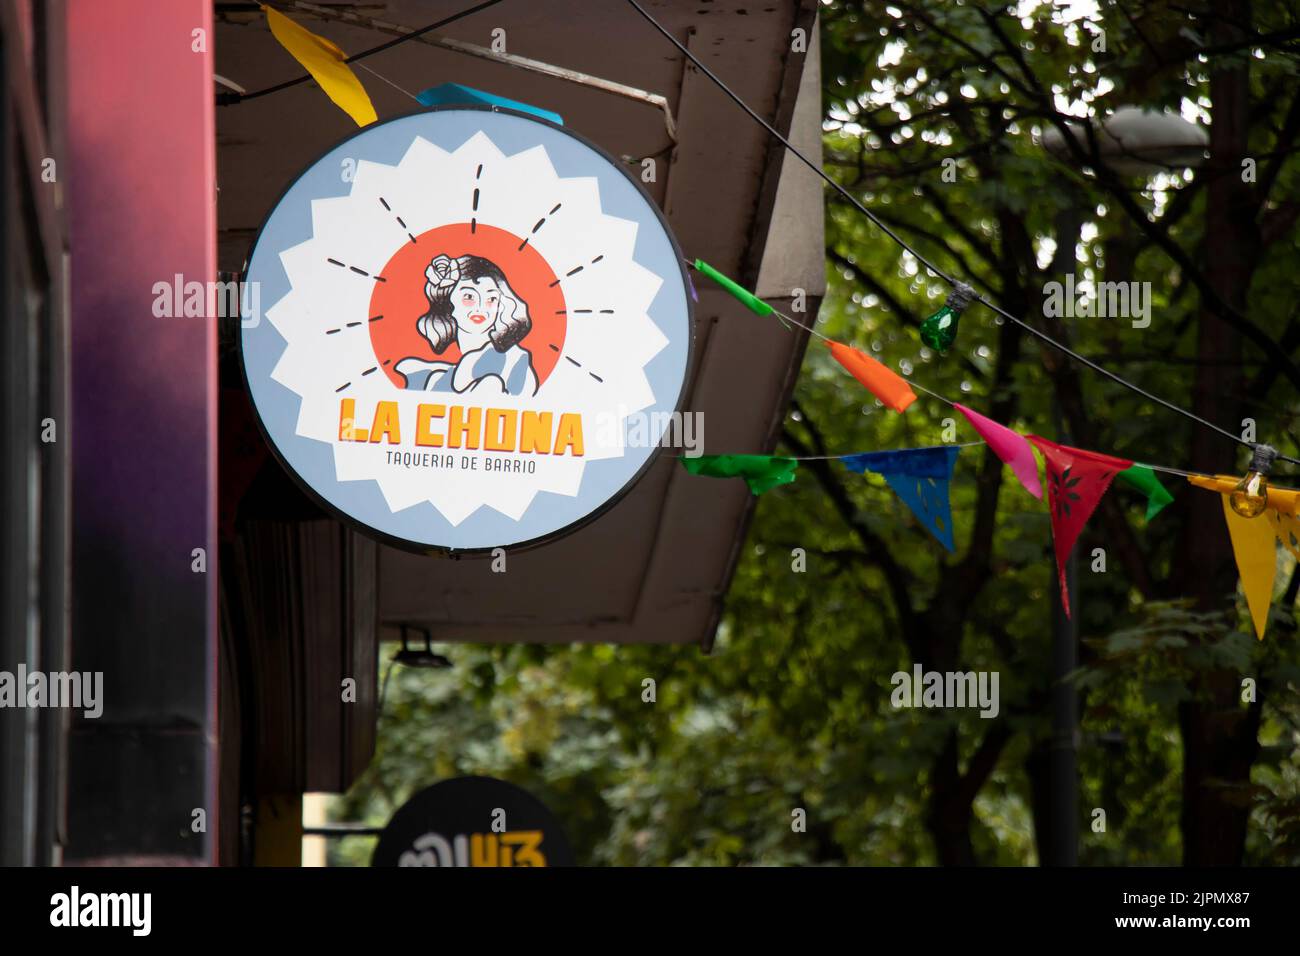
x: 475, y: 304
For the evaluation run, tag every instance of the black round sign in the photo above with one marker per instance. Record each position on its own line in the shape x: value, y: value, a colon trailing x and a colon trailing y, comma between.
x: 473, y: 821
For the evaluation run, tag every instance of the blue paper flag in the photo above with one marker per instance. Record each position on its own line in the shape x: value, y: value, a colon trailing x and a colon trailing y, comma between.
x: 453, y: 94
x: 920, y: 477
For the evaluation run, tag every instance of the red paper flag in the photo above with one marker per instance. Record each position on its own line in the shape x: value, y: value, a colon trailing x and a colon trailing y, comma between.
x: 884, y: 383
x: 1076, y: 480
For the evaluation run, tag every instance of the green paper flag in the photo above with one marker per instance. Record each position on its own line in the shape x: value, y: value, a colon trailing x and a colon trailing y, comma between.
x: 761, y: 472
x: 1144, y: 480
x: 738, y: 292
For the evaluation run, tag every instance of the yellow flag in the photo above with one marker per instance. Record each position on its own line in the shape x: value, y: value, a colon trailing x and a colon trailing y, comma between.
x: 1287, y: 527
x: 1285, y: 500
x: 324, y: 61
x: 1254, y: 545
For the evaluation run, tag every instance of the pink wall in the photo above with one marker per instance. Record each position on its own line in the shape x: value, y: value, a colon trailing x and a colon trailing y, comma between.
x: 141, y: 193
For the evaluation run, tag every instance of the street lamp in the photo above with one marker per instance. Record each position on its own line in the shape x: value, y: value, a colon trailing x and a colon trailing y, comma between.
x: 1135, y: 141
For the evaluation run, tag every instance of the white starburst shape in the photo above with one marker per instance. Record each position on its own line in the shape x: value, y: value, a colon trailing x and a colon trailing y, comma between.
x: 599, y: 373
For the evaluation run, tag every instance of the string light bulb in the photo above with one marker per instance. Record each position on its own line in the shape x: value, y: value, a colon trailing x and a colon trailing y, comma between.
x: 939, y: 331
x: 1250, y: 497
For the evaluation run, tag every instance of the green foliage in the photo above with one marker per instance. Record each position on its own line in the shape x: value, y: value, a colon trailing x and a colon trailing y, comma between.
x: 792, y: 710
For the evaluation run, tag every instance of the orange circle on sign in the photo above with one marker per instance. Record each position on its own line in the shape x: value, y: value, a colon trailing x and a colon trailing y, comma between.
x: 398, y: 302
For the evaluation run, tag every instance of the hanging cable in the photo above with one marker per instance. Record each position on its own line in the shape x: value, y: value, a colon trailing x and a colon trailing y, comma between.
x: 225, y: 98
x: 954, y: 283
x: 947, y: 401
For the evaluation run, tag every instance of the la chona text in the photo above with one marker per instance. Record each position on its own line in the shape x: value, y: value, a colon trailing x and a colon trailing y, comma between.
x: 456, y: 426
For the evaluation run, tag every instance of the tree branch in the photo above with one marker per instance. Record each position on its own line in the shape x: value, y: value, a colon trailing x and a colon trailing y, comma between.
x: 895, y: 576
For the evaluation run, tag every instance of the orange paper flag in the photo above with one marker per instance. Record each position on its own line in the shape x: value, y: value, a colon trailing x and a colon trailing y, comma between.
x: 1254, y: 545
x: 882, y: 382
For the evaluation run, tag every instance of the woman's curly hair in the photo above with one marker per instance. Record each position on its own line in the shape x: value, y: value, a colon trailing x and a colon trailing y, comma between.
x: 439, y: 327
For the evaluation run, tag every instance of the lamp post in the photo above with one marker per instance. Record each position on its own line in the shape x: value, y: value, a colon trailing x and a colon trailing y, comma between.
x: 1132, y: 141
x: 1062, y: 844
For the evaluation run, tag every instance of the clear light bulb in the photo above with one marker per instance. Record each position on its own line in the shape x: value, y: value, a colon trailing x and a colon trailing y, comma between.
x: 1250, y: 497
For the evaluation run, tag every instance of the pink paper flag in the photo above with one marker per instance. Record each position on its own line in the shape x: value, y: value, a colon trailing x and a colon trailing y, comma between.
x: 1010, y: 446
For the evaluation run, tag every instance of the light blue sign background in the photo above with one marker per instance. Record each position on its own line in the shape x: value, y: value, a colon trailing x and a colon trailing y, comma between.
x: 313, y: 461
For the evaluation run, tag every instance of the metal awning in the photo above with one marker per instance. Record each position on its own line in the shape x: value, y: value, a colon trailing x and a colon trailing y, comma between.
x: 654, y: 568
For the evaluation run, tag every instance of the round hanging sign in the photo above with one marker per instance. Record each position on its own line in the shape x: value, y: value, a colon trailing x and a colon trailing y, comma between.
x: 472, y: 821
x: 476, y: 329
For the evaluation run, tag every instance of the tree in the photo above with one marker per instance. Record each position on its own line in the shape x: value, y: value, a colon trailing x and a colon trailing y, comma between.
x: 933, y: 117
x: 1022, y: 75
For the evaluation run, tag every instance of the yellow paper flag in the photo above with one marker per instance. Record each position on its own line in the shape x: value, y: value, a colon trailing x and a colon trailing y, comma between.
x: 1287, y: 528
x: 1285, y: 500
x: 324, y: 61
x: 1254, y: 545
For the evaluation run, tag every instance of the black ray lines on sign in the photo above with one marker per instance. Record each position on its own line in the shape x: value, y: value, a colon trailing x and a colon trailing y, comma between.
x: 360, y: 272
x: 539, y: 225
x: 575, y: 270
x: 556, y: 348
x: 352, y: 325
x: 473, y: 220
x: 400, y: 222
x: 372, y: 369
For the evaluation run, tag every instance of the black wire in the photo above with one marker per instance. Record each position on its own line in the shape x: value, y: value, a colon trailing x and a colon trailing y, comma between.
x: 816, y: 168
x: 225, y: 98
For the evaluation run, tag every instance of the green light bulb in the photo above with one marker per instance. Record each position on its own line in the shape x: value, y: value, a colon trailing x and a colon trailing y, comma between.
x: 939, y: 331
